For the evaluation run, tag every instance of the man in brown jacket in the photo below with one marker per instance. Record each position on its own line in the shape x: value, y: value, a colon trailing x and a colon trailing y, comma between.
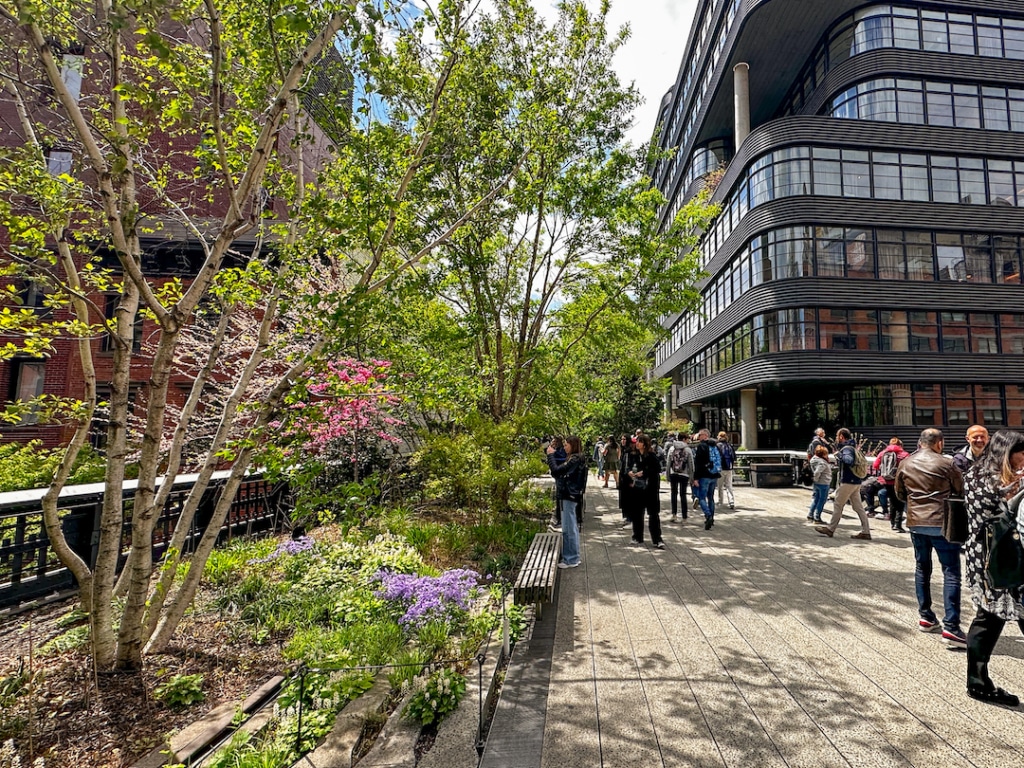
x: 924, y: 480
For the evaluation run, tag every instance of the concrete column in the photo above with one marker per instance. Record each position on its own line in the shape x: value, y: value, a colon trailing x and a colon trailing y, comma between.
x: 748, y: 419
x: 741, y: 102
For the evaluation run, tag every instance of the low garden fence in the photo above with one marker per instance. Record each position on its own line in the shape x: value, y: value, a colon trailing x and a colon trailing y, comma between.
x: 30, y: 570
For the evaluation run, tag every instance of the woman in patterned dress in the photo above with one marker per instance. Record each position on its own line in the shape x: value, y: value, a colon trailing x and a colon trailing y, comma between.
x: 995, y: 477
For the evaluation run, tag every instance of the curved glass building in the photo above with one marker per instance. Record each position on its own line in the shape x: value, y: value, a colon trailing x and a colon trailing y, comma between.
x: 865, y: 270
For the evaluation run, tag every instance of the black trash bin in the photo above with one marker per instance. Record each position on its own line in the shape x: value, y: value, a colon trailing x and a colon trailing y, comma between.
x: 772, y: 475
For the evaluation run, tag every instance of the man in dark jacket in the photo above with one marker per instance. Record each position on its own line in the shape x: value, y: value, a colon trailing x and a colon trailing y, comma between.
x: 848, y: 489
x: 977, y: 440
x: 924, y: 480
x: 818, y: 439
x: 707, y: 464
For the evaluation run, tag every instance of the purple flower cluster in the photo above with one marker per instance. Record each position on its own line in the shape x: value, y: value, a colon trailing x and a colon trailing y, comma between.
x: 290, y: 547
x: 427, y: 597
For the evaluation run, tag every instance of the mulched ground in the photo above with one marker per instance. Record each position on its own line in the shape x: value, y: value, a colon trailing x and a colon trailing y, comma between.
x: 73, y: 718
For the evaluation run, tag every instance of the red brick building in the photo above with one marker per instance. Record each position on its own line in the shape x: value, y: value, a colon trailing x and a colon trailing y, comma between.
x: 170, y: 253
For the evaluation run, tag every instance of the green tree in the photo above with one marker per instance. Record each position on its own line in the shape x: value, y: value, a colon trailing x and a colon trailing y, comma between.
x: 193, y: 121
x: 574, y: 252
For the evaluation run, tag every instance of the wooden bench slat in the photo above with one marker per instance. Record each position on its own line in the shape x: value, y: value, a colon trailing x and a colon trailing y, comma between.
x: 539, y: 572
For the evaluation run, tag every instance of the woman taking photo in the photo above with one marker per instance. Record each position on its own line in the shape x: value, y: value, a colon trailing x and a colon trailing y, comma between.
x: 995, y: 478
x: 570, y: 483
x: 646, y: 472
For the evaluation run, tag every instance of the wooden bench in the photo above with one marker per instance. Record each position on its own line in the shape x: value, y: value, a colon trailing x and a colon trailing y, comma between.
x: 536, y: 580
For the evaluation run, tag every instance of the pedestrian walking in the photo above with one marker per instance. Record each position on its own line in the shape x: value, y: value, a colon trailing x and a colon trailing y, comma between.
x: 853, y: 468
x: 728, y: 454
x: 680, y: 470
x: 707, y: 468
x: 822, y: 480
x: 611, y: 461
x: 925, y: 480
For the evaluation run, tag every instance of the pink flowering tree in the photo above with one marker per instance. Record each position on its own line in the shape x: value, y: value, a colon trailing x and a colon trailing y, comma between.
x: 339, y: 423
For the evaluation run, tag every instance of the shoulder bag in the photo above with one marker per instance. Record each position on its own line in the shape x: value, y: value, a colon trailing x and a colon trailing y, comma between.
x: 954, y: 521
x: 1004, y: 554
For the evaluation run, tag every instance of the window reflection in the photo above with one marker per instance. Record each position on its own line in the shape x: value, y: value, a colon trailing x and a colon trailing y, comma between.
x: 841, y: 328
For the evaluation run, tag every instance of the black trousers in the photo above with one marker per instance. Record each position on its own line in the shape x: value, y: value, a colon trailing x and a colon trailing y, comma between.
x: 649, y: 502
x: 981, y: 642
x: 679, y: 485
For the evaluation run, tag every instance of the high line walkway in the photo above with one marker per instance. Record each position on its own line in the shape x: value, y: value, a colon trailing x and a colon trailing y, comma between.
x: 757, y: 643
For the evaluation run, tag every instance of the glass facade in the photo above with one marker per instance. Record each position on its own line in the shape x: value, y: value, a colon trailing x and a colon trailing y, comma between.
x: 906, y: 28
x: 860, y: 253
x: 866, y: 174
x: 866, y: 330
x: 792, y: 244
x: 925, y: 102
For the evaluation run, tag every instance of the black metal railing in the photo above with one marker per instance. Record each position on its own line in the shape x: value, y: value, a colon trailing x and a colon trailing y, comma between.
x: 30, y: 570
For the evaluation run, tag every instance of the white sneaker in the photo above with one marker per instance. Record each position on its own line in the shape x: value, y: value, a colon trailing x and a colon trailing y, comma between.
x: 555, y: 528
x: 564, y: 565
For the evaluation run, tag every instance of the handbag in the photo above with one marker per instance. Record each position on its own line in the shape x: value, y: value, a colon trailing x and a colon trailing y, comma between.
x: 807, y: 475
x: 1004, y: 554
x: 954, y: 521
x: 639, y: 483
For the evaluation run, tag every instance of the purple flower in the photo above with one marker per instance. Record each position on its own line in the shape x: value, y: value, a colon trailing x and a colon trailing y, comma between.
x: 427, y: 598
x: 290, y: 547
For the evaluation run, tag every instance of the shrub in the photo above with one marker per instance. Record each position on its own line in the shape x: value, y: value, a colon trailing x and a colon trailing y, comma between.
x: 408, y: 666
x: 181, y: 691
x: 29, y: 465
x: 76, y: 637
x: 438, y: 698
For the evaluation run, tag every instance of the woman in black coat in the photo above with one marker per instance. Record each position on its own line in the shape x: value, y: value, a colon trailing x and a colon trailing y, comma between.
x: 991, y: 482
x: 647, y: 469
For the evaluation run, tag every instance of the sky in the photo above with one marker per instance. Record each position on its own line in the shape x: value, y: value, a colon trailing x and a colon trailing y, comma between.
x: 651, y: 57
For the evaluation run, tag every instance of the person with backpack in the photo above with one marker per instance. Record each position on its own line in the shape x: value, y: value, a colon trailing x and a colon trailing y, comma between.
x: 853, y: 468
x: 728, y: 454
x: 977, y: 440
x: 680, y: 470
x: 707, y: 468
x: 885, y: 465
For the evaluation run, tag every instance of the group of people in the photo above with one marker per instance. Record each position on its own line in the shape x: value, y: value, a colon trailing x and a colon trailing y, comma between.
x: 636, y: 465
x: 986, y: 476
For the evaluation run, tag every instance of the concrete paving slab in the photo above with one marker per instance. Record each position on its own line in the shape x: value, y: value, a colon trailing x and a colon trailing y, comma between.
x: 760, y: 643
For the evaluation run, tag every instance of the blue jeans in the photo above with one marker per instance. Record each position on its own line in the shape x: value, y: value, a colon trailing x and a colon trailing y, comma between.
x: 706, y: 495
x: 820, y: 491
x: 570, y: 533
x: 949, y: 559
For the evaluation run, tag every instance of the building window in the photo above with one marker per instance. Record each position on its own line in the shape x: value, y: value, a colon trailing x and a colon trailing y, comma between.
x: 71, y: 69
x: 27, y: 380
x: 58, y: 162
x: 110, y: 308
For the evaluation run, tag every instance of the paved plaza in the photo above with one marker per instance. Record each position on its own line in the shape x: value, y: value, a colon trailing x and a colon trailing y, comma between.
x: 758, y: 643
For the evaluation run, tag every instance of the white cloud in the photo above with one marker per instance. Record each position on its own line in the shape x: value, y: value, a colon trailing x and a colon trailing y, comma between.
x: 651, y: 57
